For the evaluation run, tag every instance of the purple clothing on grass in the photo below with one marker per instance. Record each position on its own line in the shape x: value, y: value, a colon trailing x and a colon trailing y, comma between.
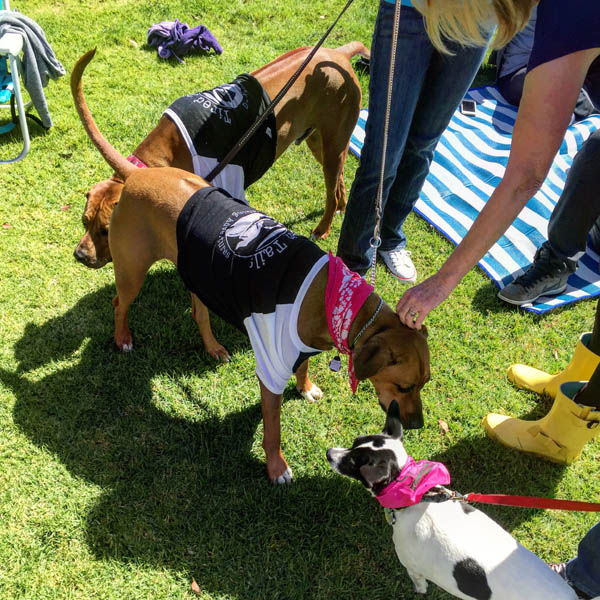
x: 173, y: 38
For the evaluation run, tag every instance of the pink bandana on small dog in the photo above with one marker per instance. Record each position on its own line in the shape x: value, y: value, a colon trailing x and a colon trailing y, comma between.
x: 134, y: 160
x: 414, y: 481
x: 345, y: 294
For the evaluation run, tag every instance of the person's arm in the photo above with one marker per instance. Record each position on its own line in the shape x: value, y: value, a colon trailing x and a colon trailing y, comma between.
x: 549, y: 96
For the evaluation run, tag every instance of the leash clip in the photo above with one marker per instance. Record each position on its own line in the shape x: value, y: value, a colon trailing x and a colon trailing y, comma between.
x: 450, y: 494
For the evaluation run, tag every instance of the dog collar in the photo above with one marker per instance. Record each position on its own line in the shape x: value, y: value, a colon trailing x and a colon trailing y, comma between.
x: 366, y: 325
x: 345, y: 294
x: 435, y: 495
x: 415, y: 479
x: 134, y: 160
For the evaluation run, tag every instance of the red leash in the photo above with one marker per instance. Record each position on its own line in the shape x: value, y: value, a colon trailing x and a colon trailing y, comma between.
x: 532, y: 502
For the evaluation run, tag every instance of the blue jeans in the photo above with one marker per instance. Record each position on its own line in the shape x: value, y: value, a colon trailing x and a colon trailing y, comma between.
x: 427, y: 88
x: 583, y: 572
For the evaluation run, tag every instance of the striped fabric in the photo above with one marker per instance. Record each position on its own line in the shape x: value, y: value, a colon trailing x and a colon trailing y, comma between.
x: 468, y: 164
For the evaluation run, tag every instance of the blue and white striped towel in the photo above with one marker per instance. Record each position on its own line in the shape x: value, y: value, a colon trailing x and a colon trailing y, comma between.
x: 468, y: 164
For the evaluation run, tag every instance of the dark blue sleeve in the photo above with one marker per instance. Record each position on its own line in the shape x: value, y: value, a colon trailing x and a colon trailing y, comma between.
x: 564, y: 27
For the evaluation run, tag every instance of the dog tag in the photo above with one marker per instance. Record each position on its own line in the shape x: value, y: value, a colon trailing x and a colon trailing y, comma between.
x: 335, y: 364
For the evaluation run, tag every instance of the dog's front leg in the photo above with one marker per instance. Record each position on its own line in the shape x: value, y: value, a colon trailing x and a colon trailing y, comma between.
x: 305, y: 386
x: 202, y: 318
x: 419, y: 581
x: 277, y: 468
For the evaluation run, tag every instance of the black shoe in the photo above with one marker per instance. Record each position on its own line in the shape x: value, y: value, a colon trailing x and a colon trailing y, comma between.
x: 561, y: 569
x: 547, y: 275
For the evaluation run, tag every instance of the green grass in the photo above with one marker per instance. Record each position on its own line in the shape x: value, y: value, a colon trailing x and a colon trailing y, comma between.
x: 128, y: 476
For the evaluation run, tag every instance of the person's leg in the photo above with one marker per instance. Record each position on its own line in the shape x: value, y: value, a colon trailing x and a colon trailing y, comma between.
x: 584, y: 107
x: 590, y: 394
x: 589, y: 99
x: 447, y: 80
x: 578, y: 208
x: 575, y: 215
x: 511, y: 86
x: 574, y: 418
x: 412, y: 58
x: 583, y: 366
x: 594, y: 237
x: 583, y: 571
x: 594, y: 343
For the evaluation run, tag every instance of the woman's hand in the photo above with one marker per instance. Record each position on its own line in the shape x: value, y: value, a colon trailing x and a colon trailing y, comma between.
x: 420, y: 300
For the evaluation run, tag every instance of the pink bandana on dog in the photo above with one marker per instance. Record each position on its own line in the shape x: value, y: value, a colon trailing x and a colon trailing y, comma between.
x: 345, y: 294
x: 134, y: 160
x: 414, y: 481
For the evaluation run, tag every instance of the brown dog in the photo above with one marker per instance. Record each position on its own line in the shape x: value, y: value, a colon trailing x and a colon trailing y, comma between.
x: 322, y: 107
x: 147, y: 226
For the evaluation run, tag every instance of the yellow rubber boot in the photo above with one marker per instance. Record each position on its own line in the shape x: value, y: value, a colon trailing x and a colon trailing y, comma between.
x: 582, y: 366
x: 559, y: 436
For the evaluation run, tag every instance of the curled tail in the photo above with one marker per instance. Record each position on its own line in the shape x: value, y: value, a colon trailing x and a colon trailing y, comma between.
x: 353, y: 48
x: 119, y: 163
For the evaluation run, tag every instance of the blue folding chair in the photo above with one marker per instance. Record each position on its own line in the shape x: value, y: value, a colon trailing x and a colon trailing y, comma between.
x: 11, y: 45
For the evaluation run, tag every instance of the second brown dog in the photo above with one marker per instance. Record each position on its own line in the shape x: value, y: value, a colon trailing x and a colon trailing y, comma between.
x: 322, y: 106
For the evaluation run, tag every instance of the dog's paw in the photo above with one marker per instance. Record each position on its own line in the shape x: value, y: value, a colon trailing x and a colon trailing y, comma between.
x: 313, y: 394
x: 127, y: 347
x: 219, y: 353
x: 317, y: 235
x: 285, y: 478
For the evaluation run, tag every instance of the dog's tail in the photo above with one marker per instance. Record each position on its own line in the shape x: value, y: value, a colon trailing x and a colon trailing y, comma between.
x: 353, y: 48
x: 119, y: 163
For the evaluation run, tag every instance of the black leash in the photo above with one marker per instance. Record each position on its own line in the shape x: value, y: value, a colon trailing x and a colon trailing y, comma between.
x: 233, y: 152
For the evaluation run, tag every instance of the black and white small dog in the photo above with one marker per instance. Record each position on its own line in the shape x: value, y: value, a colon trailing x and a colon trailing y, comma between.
x: 449, y: 543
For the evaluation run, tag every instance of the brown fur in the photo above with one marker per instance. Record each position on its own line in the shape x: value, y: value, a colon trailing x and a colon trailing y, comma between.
x: 143, y: 230
x: 325, y: 99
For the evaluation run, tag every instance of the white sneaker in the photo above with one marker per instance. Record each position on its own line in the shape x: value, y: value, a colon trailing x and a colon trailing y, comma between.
x: 399, y: 264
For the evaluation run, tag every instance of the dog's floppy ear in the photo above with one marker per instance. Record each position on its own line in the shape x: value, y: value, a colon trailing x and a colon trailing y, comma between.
x: 424, y: 331
x: 393, y: 424
x: 370, y: 358
x: 376, y: 476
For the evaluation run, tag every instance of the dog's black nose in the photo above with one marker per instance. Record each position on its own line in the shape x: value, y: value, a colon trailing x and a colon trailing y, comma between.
x: 414, y: 421
x: 79, y: 255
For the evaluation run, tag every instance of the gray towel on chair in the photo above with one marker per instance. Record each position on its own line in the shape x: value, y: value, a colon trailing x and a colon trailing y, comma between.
x: 39, y: 61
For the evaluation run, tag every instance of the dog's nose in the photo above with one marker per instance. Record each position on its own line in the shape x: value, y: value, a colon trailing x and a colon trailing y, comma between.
x: 334, y: 454
x: 414, y: 421
x: 79, y: 255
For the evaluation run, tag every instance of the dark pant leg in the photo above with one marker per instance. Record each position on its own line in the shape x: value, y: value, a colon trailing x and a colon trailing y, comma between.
x: 578, y: 208
x: 590, y: 395
x: 584, y: 571
x: 511, y: 86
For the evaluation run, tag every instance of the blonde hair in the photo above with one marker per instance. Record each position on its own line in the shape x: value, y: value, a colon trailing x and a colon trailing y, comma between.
x: 466, y: 21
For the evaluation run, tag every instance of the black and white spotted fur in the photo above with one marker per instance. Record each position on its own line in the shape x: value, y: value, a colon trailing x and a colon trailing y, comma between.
x: 449, y: 543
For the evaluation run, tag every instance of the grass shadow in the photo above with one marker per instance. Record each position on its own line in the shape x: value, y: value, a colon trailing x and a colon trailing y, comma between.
x: 485, y: 301
x: 15, y: 136
x: 311, y: 216
x: 186, y: 493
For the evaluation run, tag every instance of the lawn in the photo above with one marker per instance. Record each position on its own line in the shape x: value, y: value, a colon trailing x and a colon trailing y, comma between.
x: 131, y: 476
